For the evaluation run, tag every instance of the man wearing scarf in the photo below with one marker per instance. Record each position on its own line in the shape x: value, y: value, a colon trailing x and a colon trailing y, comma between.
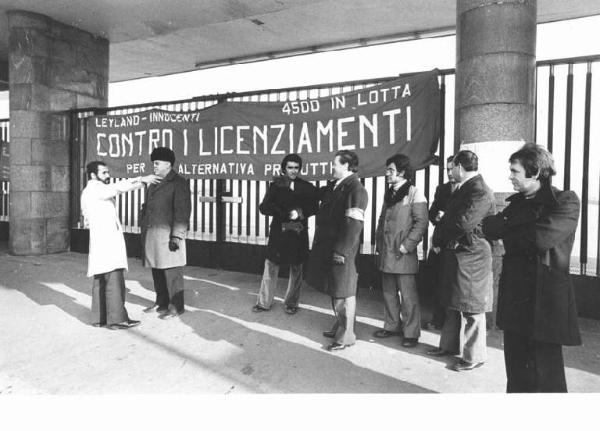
x: 401, y: 226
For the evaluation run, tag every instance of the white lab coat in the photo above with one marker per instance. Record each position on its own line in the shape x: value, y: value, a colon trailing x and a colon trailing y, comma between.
x: 107, y: 245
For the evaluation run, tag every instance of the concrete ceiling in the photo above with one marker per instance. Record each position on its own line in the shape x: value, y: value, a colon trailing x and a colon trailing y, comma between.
x: 160, y: 37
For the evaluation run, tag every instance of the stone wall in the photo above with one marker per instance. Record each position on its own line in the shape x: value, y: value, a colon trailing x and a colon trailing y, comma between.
x: 53, y: 67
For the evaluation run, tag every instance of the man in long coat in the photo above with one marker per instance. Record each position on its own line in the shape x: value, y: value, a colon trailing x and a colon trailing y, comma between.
x: 536, y: 303
x: 164, y: 224
x: 466, y: 264
x: 107, y: 257
x: 442, y: 195
x: 400, y: 229
x: 290, y: 201
x: 332, y: 261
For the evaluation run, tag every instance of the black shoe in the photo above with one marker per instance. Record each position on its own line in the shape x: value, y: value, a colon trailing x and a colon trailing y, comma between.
x: 259, y: 308
x: 329, y: 334
x: 410, y: 342
x: 154, y: 307
x: 291, y: 310
x: 463, y: 365
x: 337, y: 346
x: 439, y: 352
x: 124, y: 325
x: 384, y: 333
x: 169, y: 314
x: 98, y: 325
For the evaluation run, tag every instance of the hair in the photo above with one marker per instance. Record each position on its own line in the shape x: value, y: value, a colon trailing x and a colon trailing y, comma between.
x: 92, y: 168
x: 402, y: 163
x: 164, y: 154
x: 290, y: 158
x: 348, y: 157
x: 467, y: 159
x: 449, y: 159
x: 536, y: 160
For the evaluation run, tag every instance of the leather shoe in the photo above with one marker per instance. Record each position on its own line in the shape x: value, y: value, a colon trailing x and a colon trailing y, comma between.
x: 98, y: 325
x: 169, y: 314
x: 384, y: 333
x: 329, y: 334
x: 463, y: 365
x: 337, y: 346
x: 124, y: 325
x: 154, y: 307
x: 438, y: 352
x: 259, y: 308
x: 291, y: 310
x: 410, y: 342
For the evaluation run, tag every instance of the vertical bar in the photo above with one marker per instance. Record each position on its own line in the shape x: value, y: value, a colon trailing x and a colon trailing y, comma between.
x: 568, y: 128
x: 257, y: 212
x: 203, y: 207
x: 74, y: 170
x: 248, y: 194
x: 362, y: 233
x: 211, y: 215
x: 266, y: 218
x: 197, y: 203
x: 230, y: 207
x: 583, y: 250
x: 426, y: 234
x: 221, y: 234
x: 442, y: 148
x: 373, y: 213
x: 240, y: 208
x: 551, y: 109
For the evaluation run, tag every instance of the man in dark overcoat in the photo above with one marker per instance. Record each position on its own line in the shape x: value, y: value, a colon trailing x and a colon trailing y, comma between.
x: 290, y: 201
x: 536, y: 303
x: 443, y: 192
x: 164, y: 223
x: 466, y: 264
x: 332, y: 261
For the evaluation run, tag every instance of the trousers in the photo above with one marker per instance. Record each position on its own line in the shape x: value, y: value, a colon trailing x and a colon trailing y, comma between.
x: 108, y: 298
x: 168, y: 285
x: 474, y: 343
x: 533, y: 366
x: 269, y: 284
x: 401, y: 313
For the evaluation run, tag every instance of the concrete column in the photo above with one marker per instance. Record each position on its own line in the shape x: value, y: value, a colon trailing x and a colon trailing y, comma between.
x: 495, y: 82
x: 53, y: 67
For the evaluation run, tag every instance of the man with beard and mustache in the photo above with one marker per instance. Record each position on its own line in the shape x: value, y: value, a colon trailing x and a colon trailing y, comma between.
x: 107, y: 255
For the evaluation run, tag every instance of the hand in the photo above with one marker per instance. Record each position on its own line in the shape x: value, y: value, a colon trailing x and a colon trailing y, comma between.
x: 436, y: 250
x: 151, y: 179
x: 174, y: 243
x: 403, y: 250
x: 338, y: 259
x: 439, y: 215
x: 294, y: 215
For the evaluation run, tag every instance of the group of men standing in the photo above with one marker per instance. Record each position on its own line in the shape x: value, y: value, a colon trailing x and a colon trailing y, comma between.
x: 536, y: 303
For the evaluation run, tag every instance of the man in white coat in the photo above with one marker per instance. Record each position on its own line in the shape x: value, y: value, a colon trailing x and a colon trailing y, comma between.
x: 107, y: 255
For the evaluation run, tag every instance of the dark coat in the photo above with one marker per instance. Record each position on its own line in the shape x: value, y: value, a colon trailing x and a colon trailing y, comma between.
x: 339, y: 223
x: 535, y: 297
x: 466, y: 255
x: 443, y: 192
x: 166, y: 213
x: 289, y: 245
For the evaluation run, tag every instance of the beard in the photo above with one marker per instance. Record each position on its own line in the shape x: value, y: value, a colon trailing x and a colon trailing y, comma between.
x: 106, y: 181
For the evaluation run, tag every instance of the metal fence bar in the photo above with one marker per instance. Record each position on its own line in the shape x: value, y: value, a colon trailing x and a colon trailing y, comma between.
x: 568, y: 129
x: 583, y: 251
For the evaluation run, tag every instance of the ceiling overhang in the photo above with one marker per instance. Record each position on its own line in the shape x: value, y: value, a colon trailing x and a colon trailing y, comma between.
x: 158, y: 37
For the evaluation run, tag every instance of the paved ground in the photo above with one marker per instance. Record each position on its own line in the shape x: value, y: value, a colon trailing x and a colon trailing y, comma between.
x: 218, y: 346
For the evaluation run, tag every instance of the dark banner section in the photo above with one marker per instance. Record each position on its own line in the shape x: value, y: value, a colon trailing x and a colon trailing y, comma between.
x: 4, y: 162
x: 248, y: 140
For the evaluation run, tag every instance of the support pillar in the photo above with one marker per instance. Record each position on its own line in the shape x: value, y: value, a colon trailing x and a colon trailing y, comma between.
x: 495, y: 82
x: 53, y: 67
